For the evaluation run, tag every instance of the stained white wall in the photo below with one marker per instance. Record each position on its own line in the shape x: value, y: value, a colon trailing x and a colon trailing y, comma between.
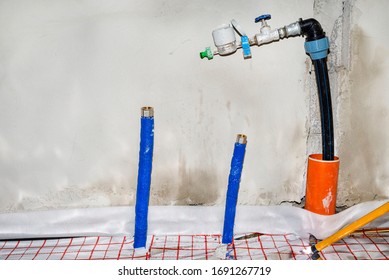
x: 74, y: 75
x: 364, y: 106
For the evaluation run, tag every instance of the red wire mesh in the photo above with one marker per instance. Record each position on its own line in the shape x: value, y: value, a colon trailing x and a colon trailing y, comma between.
x: 364, y: 245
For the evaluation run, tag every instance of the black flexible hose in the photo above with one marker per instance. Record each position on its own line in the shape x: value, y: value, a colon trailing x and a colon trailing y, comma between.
x: 324, y: 92
x: 312, y: 30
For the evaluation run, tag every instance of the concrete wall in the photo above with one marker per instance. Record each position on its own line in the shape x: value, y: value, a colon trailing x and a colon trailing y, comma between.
x: 364, y: 106
x: 74, y: 75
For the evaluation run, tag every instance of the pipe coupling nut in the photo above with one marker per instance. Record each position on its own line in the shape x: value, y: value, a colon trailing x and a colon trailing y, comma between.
x: 317, y: 49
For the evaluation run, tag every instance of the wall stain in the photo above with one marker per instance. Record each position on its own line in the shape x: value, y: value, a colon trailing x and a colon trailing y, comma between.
x: 365, y: 139
x: 197, y: 186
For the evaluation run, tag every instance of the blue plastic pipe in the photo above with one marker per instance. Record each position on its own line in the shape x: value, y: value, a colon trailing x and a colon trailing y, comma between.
x: 233, y: 188
x: 144, y: 176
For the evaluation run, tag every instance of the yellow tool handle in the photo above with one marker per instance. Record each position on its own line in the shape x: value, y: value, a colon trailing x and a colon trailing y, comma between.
x: 353, y: 227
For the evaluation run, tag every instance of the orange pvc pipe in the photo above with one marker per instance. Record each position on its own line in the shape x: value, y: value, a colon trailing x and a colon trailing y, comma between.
x: 322, y: 184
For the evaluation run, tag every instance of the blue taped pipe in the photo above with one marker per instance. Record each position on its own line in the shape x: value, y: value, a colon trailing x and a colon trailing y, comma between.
x: 232, y: 191
x: 144, y: 180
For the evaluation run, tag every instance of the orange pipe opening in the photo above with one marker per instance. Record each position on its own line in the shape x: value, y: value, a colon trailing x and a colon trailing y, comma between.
x: 322, y: 184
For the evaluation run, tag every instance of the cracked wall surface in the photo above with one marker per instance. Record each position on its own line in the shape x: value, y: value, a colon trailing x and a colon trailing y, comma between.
x: 358, y: 68
x: 74, y: 76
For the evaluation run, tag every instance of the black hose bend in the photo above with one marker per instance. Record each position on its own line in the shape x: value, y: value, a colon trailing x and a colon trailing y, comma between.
x: 312, y: 29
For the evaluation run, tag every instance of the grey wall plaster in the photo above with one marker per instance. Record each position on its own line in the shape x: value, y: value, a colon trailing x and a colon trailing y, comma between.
x: 358, y: 73
x: 75, y: 76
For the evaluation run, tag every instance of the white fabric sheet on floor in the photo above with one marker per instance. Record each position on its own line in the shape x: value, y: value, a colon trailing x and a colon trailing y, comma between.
x: 113, y: 221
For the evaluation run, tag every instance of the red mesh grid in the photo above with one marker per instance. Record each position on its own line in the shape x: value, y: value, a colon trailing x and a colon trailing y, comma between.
x: 362, y: 245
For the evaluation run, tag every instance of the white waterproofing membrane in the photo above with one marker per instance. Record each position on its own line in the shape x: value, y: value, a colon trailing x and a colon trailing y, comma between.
x: 165, y: 220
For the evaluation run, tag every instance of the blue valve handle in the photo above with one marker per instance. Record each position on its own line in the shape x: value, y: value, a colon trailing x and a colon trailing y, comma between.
x: 265, y: 17
x: 246, y: 47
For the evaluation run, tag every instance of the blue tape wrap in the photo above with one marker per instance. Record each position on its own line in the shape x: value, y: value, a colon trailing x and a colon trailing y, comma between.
x: 317, y: 49
x: 232, y: 192
x: 144, y: 180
